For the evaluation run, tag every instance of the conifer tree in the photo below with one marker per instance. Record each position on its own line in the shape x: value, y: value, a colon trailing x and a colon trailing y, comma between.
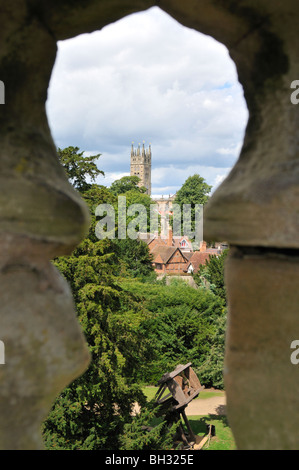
x: 90, y: 414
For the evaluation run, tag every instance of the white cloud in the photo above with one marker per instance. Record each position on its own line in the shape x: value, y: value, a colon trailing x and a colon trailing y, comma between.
x: 169, y: 179
x: 110, y: 177
x: 148, y: 78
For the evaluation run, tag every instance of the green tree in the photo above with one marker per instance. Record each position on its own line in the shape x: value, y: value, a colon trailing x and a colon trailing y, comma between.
x: 136, y: 258
x: 126, y: 183
x: 211, y: 274
x: 95, y: 196
x: 79, y: 167
x: 140, y: 434
x: 211, y: 369
x: 195, y: 191
x: 92, y: 411
x: 127, y: 187
x: 143, y: 200
x: 183, y: 325
x: 135, y: 331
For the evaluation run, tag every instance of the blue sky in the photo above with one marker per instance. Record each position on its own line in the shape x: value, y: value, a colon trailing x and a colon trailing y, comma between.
x: 147, y: 78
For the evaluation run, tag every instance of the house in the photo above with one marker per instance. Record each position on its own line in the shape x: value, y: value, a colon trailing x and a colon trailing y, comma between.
x: 175, y: 254
x: 154, y: 239
x: 169, y: 259
x: 171, y: 254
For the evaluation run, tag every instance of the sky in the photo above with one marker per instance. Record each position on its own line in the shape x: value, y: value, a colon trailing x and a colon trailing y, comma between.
x: 146, y: 78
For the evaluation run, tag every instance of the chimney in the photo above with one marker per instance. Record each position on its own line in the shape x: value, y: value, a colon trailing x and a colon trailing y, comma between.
x: 170, y: 237
x: 203, y: 246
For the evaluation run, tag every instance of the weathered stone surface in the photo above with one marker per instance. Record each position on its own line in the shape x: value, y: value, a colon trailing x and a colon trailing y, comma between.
x: 261, y: 382
x: 261, y: 194
x: 44, y: 349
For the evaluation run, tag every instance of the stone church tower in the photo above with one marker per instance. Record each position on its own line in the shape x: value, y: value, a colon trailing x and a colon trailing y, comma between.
x: 141, y: 165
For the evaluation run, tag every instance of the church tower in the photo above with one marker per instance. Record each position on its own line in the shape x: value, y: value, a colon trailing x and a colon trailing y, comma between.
x: 141, y: 165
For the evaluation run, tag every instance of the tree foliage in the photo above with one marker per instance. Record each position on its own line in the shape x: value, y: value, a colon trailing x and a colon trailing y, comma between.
x: 92, y: 411
x: 79, y: 167
x: 136, y: 328
x: 138, y: 210
x: 110, y: 319
x: 125, y: 184
x: 140, y: 434
x: 136, y: 258
x: 195, y: 190
x: 183, y: 324
x: 211, y: 275
x: 195, y: 193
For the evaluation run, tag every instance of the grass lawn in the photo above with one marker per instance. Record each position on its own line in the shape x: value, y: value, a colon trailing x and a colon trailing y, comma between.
x: 223, y: 439
x: 150, y: 392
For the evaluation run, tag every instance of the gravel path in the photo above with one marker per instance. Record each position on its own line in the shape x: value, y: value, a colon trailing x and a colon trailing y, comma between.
x: 205, y: 406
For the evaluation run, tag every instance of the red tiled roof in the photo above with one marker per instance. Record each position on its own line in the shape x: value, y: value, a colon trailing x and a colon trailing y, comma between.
x: 159, y: 242
x: 164, y: 253
x: 199, y: 258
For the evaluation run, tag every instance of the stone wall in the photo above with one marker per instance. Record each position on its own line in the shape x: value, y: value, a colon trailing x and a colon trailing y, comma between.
x: 255, y: 210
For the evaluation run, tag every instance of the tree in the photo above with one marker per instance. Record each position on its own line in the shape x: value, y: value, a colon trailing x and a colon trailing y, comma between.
x: 91, y: 412
x: 183, y: 325
x: 195, y: 191
x: 136, y: 257
x: 95, y: 196
x: 211, y: 370
x: 134, y: 330
x: 79, y: 167
x: 126, y: 183
x: 140, y: 434
x: 143, y: 200
x: 212, y: 273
